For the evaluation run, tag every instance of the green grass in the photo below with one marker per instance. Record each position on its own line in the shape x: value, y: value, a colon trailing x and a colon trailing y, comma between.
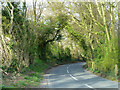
x: 21, y: 83
x: 33, y: 78
x: 3, y: 86
x: 27, y: 77
x: 30, y: 77
x: 108, y: 75
x: 27, y: 81
x: 96, y: 71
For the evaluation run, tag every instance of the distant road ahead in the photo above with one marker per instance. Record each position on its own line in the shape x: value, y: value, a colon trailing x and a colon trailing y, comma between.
x: 74, y: 76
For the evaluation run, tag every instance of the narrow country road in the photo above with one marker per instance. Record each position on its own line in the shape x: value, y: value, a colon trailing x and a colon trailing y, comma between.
x: 74, y: 76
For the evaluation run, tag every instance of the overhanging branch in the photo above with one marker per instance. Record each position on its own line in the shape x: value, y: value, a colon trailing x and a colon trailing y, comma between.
x: 51, y: 40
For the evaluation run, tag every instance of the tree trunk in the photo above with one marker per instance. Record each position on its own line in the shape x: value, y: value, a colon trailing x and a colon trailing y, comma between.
x: 119, y: 38
x: 34, y: 10
x: 91, y: 50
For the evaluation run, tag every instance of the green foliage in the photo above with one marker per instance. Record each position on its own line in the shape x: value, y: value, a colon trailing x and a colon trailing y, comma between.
x: 64, y: 55
x: 41, y: 44
x: 77, y: 37
x: 34, y: 78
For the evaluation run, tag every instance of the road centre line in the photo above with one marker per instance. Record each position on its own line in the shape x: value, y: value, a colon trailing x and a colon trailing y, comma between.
x: 89, y: 86
x: 71, y: 75
x: 67, y: 71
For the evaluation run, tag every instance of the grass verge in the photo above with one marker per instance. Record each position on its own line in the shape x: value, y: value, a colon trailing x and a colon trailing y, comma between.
x: 108, y: 76
x: 30, y: 77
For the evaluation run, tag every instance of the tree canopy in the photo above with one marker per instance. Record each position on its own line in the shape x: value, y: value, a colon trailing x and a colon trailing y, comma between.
x: 59, y: 32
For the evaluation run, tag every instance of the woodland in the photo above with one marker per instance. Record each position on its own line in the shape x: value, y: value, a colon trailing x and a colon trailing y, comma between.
x: 36, y: 37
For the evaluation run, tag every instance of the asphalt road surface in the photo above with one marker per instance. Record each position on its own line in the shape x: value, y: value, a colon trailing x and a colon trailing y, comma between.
x: 74, y: 76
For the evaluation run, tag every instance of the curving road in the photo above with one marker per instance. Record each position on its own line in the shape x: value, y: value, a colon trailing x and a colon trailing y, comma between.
x: 74, y: 76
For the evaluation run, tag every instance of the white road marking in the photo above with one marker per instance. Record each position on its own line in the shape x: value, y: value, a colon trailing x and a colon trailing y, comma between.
x: 89, y: 86
x: 70, y: 74
x: 73, y: 77
x: 67, y: 71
